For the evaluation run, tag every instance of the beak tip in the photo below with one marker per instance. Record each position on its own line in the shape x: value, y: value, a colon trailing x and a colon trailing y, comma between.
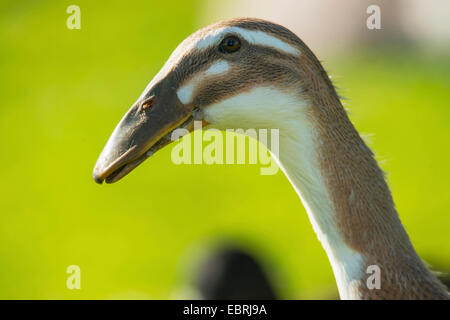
x: 97, y: 178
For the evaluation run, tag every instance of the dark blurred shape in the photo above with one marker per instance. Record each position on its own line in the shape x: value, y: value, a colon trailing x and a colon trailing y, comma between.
x: 233, y: 274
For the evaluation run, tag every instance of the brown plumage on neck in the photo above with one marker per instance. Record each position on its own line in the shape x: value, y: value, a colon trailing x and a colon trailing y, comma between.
x: 364, y: 209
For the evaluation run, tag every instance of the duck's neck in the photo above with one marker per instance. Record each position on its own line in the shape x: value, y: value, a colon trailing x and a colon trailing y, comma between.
x: 341, y: 186
x: 351, y: 209
x: 298, y: 161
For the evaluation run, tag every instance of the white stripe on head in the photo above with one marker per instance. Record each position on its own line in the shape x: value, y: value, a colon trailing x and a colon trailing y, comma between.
x: 218, y: 67
x: 186, y: 91
x: 252, y: 36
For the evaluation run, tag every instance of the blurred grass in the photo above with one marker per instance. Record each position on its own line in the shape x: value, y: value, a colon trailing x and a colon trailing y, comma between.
x: 63, y: 91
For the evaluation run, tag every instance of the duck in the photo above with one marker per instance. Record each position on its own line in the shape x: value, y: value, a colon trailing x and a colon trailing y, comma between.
x: 252, y: 73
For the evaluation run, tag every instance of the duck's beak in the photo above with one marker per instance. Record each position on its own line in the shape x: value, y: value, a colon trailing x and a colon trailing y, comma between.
x: 144, y: 129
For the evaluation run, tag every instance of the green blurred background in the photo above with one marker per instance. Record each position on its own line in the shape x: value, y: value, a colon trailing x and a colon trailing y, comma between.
x: 63, y: 91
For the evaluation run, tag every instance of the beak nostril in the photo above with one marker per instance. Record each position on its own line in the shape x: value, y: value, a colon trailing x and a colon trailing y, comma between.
x: 147, y: 103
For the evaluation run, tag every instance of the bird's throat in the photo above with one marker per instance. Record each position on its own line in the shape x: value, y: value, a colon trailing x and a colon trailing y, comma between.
x: 299, y: 160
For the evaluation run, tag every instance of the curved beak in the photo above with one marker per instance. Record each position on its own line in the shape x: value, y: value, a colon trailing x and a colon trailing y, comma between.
x: 144, y: 129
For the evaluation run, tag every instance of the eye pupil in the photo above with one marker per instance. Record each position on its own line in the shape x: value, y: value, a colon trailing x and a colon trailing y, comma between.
x: 230, y: 44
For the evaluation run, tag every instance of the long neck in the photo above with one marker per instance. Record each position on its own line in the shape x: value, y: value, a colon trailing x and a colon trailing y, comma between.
x: 351, y: 209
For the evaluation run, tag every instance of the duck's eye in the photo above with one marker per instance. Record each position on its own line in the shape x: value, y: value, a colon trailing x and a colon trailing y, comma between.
x: 230, y: 44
